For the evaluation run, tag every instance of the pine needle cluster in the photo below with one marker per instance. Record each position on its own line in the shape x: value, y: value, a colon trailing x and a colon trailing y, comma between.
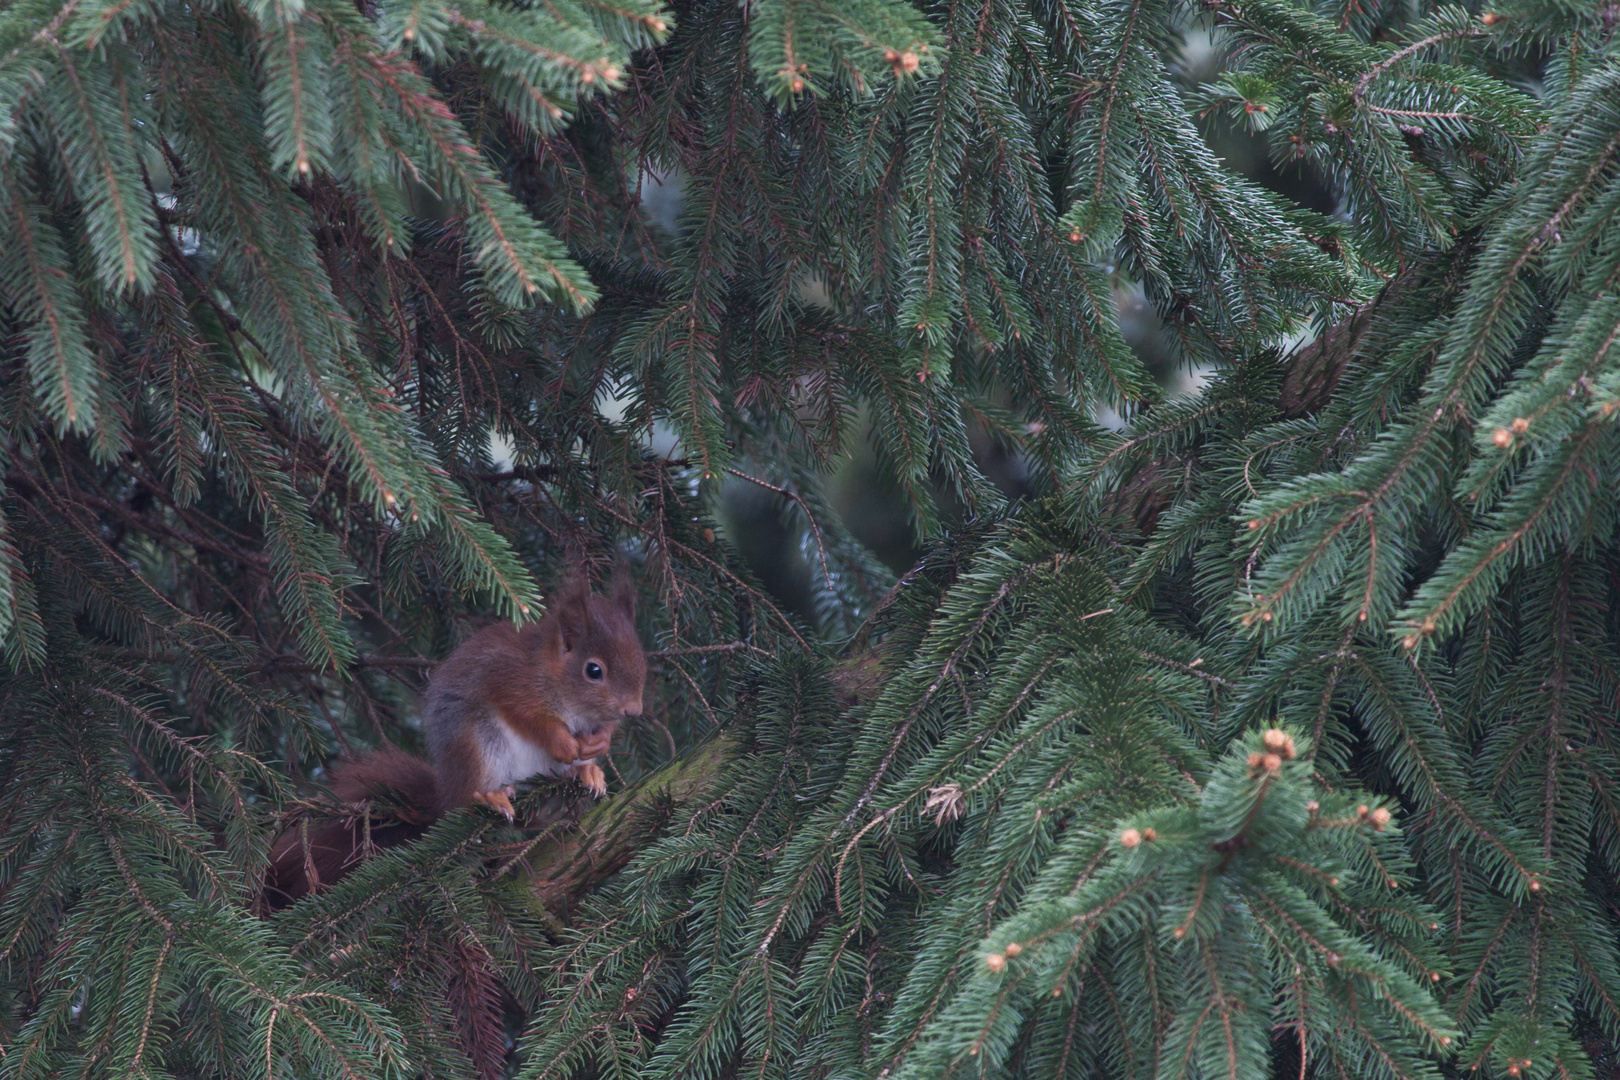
x: 1275, y: 737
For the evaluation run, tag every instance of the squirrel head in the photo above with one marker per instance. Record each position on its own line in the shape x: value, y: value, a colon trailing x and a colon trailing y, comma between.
x: 595, y: 658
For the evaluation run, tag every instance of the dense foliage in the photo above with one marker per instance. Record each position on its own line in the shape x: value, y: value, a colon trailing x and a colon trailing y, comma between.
x: 1273, y: 734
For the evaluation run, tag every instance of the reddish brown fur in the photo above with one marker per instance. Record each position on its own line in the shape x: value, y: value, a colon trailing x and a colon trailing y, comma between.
x: 304, y: 860
x: 460, y: 766
x: 532, y: 679
x: 510, y: 659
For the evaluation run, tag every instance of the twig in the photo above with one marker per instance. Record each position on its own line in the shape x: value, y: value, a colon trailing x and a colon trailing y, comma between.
x: 698, y: 650
x: 815, y: 529
x: 1416, y: 47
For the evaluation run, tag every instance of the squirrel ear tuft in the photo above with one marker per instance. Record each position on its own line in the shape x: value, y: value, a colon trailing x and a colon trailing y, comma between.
x: 624, y: 593
x: 572, y: 608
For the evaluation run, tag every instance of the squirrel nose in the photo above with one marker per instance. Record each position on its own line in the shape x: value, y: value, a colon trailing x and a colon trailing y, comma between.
x: 631, y: 707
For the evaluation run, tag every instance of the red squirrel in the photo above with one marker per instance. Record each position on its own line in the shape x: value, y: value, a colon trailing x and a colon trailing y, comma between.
x: 514, y: 703
x: 509, y: 703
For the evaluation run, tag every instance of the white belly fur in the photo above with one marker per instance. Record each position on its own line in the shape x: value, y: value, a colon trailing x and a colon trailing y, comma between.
x: 508, y: 757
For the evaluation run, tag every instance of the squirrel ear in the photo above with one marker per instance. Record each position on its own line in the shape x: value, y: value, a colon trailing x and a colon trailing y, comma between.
x: 624, y: 594
x: 572, y: 608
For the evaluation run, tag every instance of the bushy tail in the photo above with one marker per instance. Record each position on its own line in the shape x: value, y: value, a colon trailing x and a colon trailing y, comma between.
x: 312, y: 855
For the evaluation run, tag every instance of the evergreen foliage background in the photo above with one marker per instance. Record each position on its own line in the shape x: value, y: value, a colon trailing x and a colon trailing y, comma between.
x: 1270, y: 733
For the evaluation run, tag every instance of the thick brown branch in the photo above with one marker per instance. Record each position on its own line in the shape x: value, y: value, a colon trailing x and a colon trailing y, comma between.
x: 568, y: 866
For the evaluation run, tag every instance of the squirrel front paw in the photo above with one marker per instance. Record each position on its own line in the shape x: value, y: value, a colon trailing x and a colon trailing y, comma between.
x: 499, y: 800
x: 590, y: 774
x: 595, y: 744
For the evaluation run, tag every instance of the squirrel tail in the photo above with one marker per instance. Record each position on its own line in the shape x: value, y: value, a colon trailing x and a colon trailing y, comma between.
x: 312, y: 855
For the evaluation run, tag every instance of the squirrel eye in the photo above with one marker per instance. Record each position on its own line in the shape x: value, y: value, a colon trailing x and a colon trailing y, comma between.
x: 593, y: 671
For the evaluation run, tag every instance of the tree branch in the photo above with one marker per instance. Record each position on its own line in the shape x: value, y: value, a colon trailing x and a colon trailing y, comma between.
x: 608, y: 836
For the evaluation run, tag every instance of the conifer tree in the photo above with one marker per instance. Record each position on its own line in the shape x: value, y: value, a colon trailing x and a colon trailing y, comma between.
x: 1272, y: 735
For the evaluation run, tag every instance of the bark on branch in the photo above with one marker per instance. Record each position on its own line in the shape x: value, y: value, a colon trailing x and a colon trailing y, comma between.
x: 608, y: 835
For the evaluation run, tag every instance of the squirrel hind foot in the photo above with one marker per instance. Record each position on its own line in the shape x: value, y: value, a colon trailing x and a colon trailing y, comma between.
x: 499, y: 800
x: 591, y: 776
